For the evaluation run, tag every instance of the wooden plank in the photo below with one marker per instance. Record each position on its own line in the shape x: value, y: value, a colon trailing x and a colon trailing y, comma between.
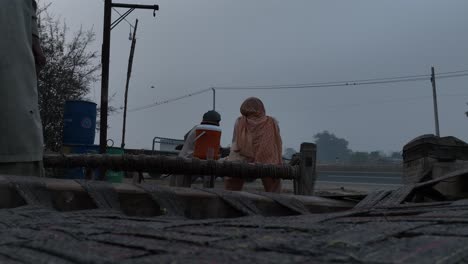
x: 372, y: 199
x: 396, y: 197
x: 383, y: 168
x: 456, y: 173
x: 307, y: 172
x: 287, y: 201
x: 69, y: 195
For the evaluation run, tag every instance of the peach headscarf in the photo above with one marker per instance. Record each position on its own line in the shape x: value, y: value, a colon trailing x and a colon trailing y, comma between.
x: 257, y: 135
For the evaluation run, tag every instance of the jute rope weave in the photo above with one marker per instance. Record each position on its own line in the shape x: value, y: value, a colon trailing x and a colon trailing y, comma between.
x: 172, y: 165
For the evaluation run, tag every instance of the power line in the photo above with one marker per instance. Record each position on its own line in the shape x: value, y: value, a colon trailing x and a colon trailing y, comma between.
x: 169, y: 100
x: 391, y: 101
x: 318, y: 85
x: 338, y: 82
x: 409, y: 78
x: 452, y: 76
x: 442, y: 73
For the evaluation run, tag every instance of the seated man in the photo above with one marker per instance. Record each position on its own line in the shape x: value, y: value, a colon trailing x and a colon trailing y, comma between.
x: 209, y: 118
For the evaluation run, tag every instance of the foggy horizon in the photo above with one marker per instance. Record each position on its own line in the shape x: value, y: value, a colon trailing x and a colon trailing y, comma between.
x: 191, y: 46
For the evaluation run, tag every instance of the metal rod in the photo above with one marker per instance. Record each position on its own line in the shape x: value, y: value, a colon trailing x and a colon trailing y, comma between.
x: 105, y: 75
x: 121, y: 18
x: 199, y: 136
x: 129, y: 73
x: 214, y: 98
x: 121, y: 5
x: 172, y: 165
x: 434, y: 96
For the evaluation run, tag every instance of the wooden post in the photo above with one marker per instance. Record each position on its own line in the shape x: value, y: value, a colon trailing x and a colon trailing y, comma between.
x: 105, y: 58
x: 129, y: 73
x: 434, y: 97
x: 306, y: 181
x: 181, y: 180
x: 105, y: 76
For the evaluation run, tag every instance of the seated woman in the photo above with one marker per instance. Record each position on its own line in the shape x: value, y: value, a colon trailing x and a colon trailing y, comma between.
x: 256, y: 139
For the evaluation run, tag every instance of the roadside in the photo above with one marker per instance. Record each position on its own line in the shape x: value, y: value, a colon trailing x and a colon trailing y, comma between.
x: 321, y: 187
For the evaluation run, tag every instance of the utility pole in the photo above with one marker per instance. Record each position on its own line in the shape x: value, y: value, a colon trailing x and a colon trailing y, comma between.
x: 108, y: 26
x: 466, y: 113
x: 129, y: 73
x: 434, y: 95
x: 105, y: 75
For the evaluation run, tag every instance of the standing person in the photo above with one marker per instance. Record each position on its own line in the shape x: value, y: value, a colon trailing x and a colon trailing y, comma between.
x: 256, y: 139
x: 39, y: 58
x: 21, y: 141
x: 209, y: 118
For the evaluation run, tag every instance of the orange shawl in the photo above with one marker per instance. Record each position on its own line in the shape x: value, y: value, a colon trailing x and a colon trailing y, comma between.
x: 256, y: 135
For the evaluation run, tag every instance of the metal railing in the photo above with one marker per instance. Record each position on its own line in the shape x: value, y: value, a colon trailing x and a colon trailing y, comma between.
x: 169, y: 141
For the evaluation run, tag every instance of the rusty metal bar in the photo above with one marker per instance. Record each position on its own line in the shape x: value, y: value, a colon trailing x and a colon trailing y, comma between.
x: 172, y: 165
x: 122, y: 5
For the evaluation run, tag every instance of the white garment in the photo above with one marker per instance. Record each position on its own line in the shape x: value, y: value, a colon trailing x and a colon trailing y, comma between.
x: 20, y: 125
x: 189, y: 144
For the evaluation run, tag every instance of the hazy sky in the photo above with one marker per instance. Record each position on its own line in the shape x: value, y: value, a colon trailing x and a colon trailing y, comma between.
x: 192, y: 45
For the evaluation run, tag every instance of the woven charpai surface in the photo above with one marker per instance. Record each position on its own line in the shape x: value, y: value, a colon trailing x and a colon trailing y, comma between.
x: 431, y: 233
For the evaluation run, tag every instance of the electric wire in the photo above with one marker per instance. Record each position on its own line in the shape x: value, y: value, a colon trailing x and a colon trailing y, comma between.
x: 360, y: 82
x: 169, y: 100
x: 411, y: 78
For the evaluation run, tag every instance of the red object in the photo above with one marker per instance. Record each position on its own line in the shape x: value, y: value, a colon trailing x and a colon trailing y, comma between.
x: 207, y: 142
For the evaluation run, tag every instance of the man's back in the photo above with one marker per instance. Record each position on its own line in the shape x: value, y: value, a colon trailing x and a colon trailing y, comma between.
x: 189, y: 144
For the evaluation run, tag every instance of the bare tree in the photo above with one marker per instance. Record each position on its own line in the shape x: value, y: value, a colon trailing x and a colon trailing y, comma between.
x: 70, y: 71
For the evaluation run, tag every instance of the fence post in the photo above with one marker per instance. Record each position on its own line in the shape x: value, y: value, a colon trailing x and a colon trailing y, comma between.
x: 181, y: 180
x: 305, y: 183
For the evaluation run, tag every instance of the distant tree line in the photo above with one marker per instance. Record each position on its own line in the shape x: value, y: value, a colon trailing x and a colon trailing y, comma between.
x: 332, y: 149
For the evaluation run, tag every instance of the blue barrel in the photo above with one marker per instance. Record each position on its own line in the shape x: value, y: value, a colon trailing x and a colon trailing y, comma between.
x: 79, y: 122
x: 79, y: 173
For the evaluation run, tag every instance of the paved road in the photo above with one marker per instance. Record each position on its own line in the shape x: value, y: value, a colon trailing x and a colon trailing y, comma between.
x: 360, y: 177
x: 334, y: 180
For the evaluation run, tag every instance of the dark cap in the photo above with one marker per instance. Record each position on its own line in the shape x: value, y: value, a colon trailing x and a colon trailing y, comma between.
x: 212, y: 116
